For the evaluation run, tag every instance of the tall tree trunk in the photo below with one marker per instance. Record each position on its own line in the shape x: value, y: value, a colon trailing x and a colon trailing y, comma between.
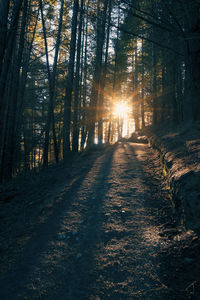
x: 25, y: 69
x: 48, y: 122
x: 180, y: 91
x: 175, y: 117
x: 12, y: 34
x: 142, y: 89
x: 11, y: 139
x: 51, y: 79
x: 69, y: 84
x: 103, y: 73
x: 4, y: 10
x: 75, y: 137
x: 84, y: 103
x: 135, y: 84
x: 54, y: 79
x: 191, y: 104
x: 100, y: 36
x: 192, y: 83
x: 114, y: 84
x: 7, y: 53
x: 106, y: 60
x: 154, y: 86
x: 103, y: 76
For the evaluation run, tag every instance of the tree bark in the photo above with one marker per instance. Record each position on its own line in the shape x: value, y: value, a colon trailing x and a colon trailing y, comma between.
x: 69, y: 84
x: 13, y: 100
x: 4, y: 10
x: 103, y: 76
x: 12, y: 34
x: 51, y: 79
x: 75, y: 137
x: 84, y: 126
x: 154, y: 86
x: 193, y: 63
x: 7, y: 49
x: 142, y: 89
x: 100, y: 36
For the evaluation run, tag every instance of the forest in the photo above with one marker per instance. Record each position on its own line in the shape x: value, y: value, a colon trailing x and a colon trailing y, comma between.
x: 78, y: 73
x: 99, y: 149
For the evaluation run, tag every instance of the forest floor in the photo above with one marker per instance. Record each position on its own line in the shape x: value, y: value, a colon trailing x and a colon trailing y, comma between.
x: 102, y: 227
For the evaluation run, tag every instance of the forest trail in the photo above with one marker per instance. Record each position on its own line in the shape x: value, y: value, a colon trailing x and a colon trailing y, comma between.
x: 105, y: 237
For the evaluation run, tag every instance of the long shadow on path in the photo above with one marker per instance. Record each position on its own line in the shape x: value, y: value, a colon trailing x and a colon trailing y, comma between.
x: 51, y: 268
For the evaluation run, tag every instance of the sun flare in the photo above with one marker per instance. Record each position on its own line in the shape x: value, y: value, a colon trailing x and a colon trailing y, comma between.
x: 121, y: 109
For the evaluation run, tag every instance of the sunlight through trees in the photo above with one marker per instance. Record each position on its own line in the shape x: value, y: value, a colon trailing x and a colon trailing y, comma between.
x: 75, y: 73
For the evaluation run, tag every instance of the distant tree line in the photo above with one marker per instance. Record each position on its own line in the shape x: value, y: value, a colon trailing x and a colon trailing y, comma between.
x: 63, y: 64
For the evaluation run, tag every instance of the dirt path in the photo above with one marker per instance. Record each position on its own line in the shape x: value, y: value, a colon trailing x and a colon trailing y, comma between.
x: 104, y: 239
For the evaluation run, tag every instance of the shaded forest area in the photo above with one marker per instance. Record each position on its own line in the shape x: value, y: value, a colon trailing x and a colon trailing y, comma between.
x: 78, y: 73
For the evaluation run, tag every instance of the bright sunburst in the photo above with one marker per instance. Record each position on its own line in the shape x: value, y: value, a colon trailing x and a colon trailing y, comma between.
x: 121, y: 109
x: 122, y: 114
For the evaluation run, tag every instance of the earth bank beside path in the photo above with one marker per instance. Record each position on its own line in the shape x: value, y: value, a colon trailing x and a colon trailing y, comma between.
x: 179, y: 150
